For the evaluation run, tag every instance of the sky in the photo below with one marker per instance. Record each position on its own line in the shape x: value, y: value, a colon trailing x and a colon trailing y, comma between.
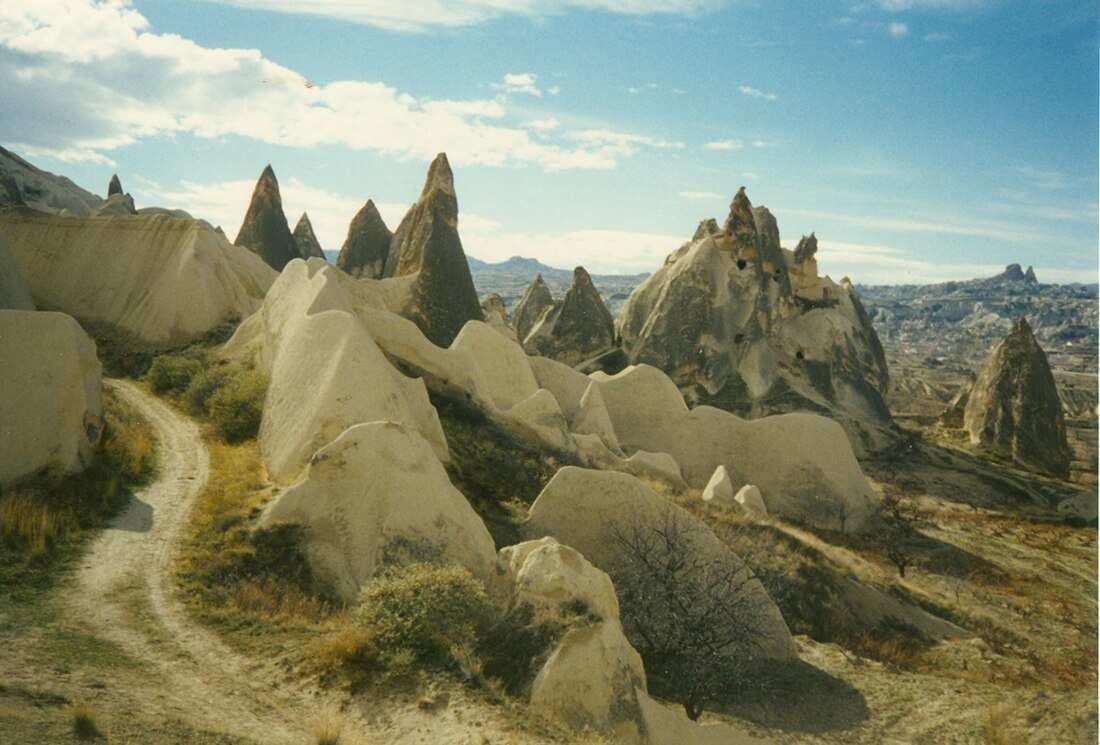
x: 922, y: 140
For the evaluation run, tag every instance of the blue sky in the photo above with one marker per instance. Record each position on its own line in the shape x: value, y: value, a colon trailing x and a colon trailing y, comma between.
x: 922, y: 140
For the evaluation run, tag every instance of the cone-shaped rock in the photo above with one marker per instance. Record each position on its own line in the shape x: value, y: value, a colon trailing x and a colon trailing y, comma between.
x: 306, y: 240
x: 1014, y: 405
x: 535, y: 300
x: 265, y: 230
x: 114, y: 187
x: 437, y: 197
x: 367, y: 245
x: 580, y: 328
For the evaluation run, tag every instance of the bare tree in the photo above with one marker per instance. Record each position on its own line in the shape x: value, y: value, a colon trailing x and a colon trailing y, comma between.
x: 688, y: 612
x: 897, y: 531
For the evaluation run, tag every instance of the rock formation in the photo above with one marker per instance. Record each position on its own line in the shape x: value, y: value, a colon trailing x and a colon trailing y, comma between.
x: 578, y: 328
x: 118, y: 202
x: 22, y: 184
x: 954, y: 416
x: 50, y: 412
x: 368, y: 244
x: 1014, y: 405
x: 14, y: 294
x: 114, y: 186
x: 443, y: 297
x: 535, y: 300
x: 376, y: 494
x: 306, y: 240
x: 156, y: 281
x: 741, y: 323
x: 265, y: 230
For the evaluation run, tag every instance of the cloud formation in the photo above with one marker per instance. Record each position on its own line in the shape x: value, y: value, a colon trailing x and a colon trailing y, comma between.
x: 756, y: 93
x: 724, y: 145
x: 61, y: 62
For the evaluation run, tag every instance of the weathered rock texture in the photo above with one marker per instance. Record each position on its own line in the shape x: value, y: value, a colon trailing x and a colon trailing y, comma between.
x: 14, y: 294
x: 442, y: 298
x: 306, y: 240
x: 118, y: 202
x: 377, y: 494
x: 1014, y: 405
x: 22, y: 184
x: 741, y: 323
x: 154, y: 281
x: 578, y: 328
x: 50, y: 410
x: 114, y: 186
x: 265, y: 230
x: 368, y: 244
x: 535, y: 300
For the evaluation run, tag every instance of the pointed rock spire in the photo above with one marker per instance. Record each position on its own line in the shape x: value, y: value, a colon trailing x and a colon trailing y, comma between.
x: 1029, y: 276
x: 306, y: 240
x: 578, y: 329
x: 438, y: 198
x: 806, y: 248
x: 741, y: 225
x: 535, y: 300
x: 114, y: 187
x: 1014, y: 405
x: 444, y: 297
x: 367, y: 245
x: 265, y: 230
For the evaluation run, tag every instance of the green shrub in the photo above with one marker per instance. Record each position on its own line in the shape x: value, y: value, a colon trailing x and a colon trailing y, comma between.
x: 236, y: 408
x: 203, y: 387
x: 172, y: 374
x: 422, y: 611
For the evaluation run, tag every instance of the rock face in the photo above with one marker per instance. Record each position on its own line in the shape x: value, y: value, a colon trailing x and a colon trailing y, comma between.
x: 583, y: 509
x: 22, y: 184
x: 14, y: 294
x: 50, y: 413
x: 155, y: 281
x: 1014, y: 405
x: 378, y: 493
x: 535, y: 300
x: 265, y: 230
x: 743, y: 324
x: 306, y: 240
x: 368, y: 244
x: 579, y: 328
x: 114, y: 186
x: 443, y: 297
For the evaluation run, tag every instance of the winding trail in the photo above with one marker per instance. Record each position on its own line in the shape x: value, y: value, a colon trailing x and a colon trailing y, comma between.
x: 126, y: 591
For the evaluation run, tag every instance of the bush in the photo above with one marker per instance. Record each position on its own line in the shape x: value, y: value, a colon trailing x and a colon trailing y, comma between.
x: 172, y: 374
x: 237, y: 407
x: 203, y: 387
x: 427, y: 612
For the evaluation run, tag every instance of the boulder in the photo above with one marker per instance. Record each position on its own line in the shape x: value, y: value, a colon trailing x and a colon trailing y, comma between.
x: 154, y: 281
x: 541, y: 416
x: 567, y: 385
x: 535, y: 300
x: 575, y: 330
x: 750, y: 498
x: 592, y: 418
x: 1014, y: 405
x: 14, y: 294
x: 50, y: 411
x: 306, y: 240
x: 719, y: 490
x: 648, y: 465
x: 265, y: 230
x: 368, y: 244
x: 378, y: 494
x: 503, y: 363
x: 742, y: 324
x: 590, y: 510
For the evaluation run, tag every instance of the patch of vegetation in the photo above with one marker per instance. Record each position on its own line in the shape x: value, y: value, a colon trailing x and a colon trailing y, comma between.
x: 44, y: 520
x: 123, y: 358
x: 82, y: 717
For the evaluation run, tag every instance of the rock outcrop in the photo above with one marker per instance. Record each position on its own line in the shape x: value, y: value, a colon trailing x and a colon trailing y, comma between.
x: 265, y: 230
x: 118, y: 202
x: 535, y: 300
x: 153, y: 281
x: 743, y: 324
x: 376, y: 494
x: 14, y: 294
x: 306, y: 240
x: 22, y: 184
x: 442, y: 298
x: 50, y: 411
x: 1014, y: 405
x: 368, y: 244
x: 114, y: 186
x: 578, y: 328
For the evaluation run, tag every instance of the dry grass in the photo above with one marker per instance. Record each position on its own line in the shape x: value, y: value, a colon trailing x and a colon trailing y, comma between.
x: 82, y: 718
x: 328, y: 730
x: 995, y: 726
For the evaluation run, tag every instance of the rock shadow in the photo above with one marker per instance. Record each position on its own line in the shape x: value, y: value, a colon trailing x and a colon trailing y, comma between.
x: 136, y: 518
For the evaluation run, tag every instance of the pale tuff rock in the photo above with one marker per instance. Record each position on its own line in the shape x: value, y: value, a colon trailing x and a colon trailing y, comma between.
x: 1014, y: 405
x: 955, y: 413
x: 50, y: 413
x: 541, y: 416
x: 741, y: 323
x: 567, y: 385
x: 22, y: 184
x: 648, y: 465
x: 750, y: 498
x: 575, y: 330
x: 155, y: 281
x: 719, y: 490
x: 117, y: 202
x: 592, y: 418
x: 664, y: 725
x: 368, y: 244
x: 14, y: 294
x: 581, y: 508
x: 503, y: 363
x: 536, y: 299
x: 306, y: 240
x: 494, y: 306
x: 379, y: 493
x: 265, y: 230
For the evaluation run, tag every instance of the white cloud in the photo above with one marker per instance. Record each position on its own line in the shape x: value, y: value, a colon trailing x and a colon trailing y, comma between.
x: 544, y: 125
x: 84, y: 78
x: 614, y: 144
x: 899, y: 5
x: 763, y: 143
x: 422, y: 15
x: 519, y: 83
x: 898, y: 30
x: 725, y: 145
x: 756, y: 93
x: 977, y: 229
x: 701, y: 195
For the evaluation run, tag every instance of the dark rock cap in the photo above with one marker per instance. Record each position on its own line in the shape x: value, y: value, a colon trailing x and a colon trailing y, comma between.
x: 306, y: 240
x: 806, y: 248
x: 114, y: 187
x: 534, y: 301
x: 368, y: 244
x: 265, y: 230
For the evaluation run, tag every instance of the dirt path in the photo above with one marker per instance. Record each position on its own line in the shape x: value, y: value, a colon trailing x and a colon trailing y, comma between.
x: 125, y: 591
